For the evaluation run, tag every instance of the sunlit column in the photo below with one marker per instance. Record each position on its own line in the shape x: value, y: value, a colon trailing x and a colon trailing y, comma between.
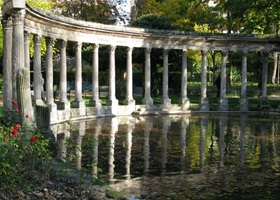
x: 37, y: 68
x: 49, y: 79
x: 148, y: 101
x: 243, y: 96
x: 17, y: 47
x: 79, y: 102
x: 264, y: 75
x: 26, y: 50
x: 165, y: 128
x: 204, y: 104
x: 63, y: 103
x: 223, y: 104
x: 185, y: 102
x: 129, y: 78
x: 95, y: 101
x: 7, y: 63
x: 166, y: 101
x: 112, y: 101
x: 114, y: 129
x: 148, y: 127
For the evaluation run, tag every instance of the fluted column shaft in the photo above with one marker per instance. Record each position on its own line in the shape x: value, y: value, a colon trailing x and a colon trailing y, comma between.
x: 264, y: 74
x: 223, y: 104
x: 147, y: 98
x: 37, y: 68
x: 78, y: 77
x: 111, y: 101
x: 17, y: 47
x: 63, y: 72
x: 49, y: 71
x: 7, y: 63
x: 184, y: 99
x: 129, y: 79
x: 243, y: 99
x: 165, y: 99
x: 204, y: 104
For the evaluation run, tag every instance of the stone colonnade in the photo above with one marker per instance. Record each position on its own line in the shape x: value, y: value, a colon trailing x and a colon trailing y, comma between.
x: 19, y: 25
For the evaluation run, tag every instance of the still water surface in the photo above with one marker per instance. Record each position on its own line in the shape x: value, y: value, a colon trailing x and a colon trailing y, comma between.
x: 180, y: 156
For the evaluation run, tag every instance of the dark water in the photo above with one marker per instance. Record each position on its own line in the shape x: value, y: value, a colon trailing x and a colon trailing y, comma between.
x: 180, y: 157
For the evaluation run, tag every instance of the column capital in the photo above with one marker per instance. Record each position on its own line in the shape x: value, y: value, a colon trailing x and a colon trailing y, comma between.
x: 113, y: 48
x: 224, y: 53
x: 95, y: 46
x: 148, y: 50
x: 18, y: 16
x: 204, y: 52
x: 165, y: 52
x: 265, y: 53
x: 7, y: 22
x: 245, y: 52
x: 37, y: 39
x: 185, y: 50
x: 78, y: 45
x: 62, y: 43
x: 129, y: 50
x: 49, y: 40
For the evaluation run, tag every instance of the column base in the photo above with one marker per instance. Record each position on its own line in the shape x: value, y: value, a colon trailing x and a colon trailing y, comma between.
x: 148, y: 101
x: 129, y: 102
x: 223, y: 104
x: 204, y: 104
x: 81, y: 105
x: 95, y: 103
x: 244, y: 105
x: 112, y: 102
x: 185, y: 103
x: 63, y: 105
x: 53, y: 109
x: 166, y: 101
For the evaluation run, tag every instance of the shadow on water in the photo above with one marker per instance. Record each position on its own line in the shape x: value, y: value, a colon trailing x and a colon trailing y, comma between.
x: 215, y: 156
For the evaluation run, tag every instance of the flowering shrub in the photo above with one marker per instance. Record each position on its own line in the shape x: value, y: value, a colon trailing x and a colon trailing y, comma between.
x: 24, y: 156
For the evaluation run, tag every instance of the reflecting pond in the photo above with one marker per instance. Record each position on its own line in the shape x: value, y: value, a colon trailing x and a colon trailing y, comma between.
x: 213, y: 156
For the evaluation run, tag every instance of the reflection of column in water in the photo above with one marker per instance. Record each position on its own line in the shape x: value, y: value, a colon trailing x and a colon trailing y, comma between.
x: 222, y: 146
x: 184, y: 125
x: 243, y: 121
x: 114, y: 129
x: 203, y: 127
x: 63, y: 134
x: 166, y: 125
x: 273, y: 142
x: 98, y: 126
x: 78, y: 141
x: 130, y: 128
x: 262, y: 143
x: 148, y: 127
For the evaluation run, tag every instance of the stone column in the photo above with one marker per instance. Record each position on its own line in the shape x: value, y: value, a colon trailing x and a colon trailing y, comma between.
x: 7, y: 63
x: 166, y: 101
x: 264, y: 75
x: 79, y: 102
x: 17, y: 46
x: 129, y: 79
x: 49, y: 79
x: 184, y: 101
x: 112, y: 101
x: 63, y: 102
x: 26, y: 50
x: 243, y: 99
x: 148, y: 101
x: 37, y: 68
x: 95, y: 101
x: 204, y: 103
x: 223, y: 104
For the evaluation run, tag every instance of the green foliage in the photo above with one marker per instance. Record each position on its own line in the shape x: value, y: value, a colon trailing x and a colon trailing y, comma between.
x: 24, y: 157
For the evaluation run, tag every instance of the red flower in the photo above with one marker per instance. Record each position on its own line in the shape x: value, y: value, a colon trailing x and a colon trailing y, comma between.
x: 27, y: 116
x: 17, y: 110
x: 17, y: 127
x: 33, y: 139
x: 7, y: 137
x: 14, y: 101
x: 15, y: 133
